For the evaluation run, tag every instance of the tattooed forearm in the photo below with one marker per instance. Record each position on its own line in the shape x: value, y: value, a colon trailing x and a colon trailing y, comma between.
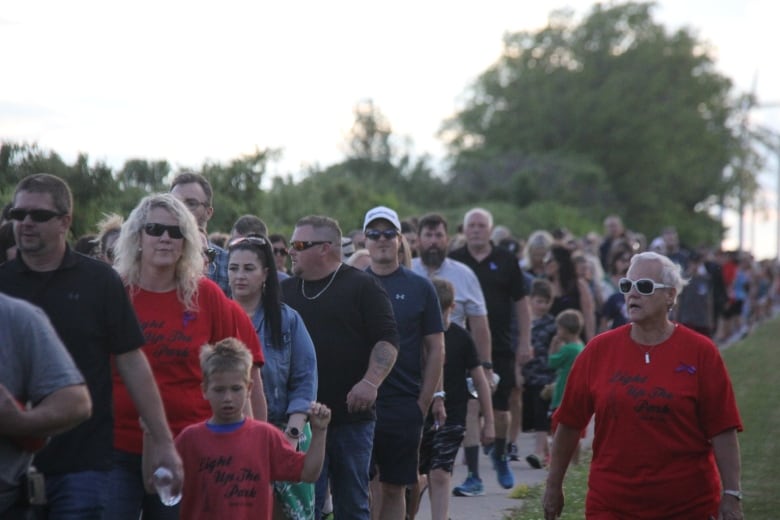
x: 381, y: 362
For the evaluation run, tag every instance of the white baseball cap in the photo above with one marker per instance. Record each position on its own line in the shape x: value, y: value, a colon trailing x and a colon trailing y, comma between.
x: 382, y: 212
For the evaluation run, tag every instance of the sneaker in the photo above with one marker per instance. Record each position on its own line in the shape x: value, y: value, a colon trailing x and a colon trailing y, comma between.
x: 505, y: 478
x: 511, y: 451
x: 533, y: 461
x: 471, y: 487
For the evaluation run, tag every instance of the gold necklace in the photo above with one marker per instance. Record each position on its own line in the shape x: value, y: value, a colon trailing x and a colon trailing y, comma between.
x: 332, y: 277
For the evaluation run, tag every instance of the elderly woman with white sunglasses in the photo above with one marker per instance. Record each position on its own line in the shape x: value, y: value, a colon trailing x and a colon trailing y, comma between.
x: 665, y: 443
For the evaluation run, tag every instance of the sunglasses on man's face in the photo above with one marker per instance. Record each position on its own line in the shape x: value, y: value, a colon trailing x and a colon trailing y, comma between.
x: 37, y: 215
x: 644, y: 286
x: 376, y: 234
x: 154, y: 229
x: 303, y: 245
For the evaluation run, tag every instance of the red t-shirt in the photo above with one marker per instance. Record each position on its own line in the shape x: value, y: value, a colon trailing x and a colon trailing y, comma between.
x: 173, y: 341
x: 229, y: 475
x: 652, y: 456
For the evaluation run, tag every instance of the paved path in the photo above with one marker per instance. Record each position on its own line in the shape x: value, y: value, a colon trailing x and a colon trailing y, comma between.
x: 495, y: 503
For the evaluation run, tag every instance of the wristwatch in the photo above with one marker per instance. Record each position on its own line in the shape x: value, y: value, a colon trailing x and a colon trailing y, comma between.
x: 293, y: 432
x: 487, y: 365
x: 736, y: 493
x: 440, y: 393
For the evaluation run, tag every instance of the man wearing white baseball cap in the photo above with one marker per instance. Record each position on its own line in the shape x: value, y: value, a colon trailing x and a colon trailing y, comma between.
x: 406, y: 394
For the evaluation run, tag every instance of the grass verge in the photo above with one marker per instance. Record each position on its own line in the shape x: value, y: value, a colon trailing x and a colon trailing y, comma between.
x: 754, y: 365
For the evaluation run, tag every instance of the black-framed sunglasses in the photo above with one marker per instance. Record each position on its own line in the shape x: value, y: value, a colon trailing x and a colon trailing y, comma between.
x: 644, y: 286
x: 154, y: 229
x: 376, y: 234
x: 303, y: 245
x: 281, y: 251
x: 37, y: 215
x: 210, y: 253
x: 257, y: 241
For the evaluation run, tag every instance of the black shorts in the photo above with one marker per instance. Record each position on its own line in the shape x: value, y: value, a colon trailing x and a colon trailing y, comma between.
x: 504, y: 366
x: 396, y: 453
x: 440, y: 447
x: 535, y: 409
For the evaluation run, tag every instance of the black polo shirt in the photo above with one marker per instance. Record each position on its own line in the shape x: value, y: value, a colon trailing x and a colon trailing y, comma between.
x: 502, y: 284
x: 89, y: 308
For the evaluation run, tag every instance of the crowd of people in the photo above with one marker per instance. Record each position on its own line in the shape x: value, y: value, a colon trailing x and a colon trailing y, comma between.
x: 341, y: 373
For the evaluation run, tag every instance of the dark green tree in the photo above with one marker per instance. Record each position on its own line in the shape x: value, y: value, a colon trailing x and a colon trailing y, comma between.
x: 643, y: 105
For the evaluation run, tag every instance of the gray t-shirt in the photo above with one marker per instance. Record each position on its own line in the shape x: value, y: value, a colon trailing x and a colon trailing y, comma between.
x: 33, y: 364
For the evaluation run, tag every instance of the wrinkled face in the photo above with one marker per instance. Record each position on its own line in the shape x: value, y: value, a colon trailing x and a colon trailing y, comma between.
x: 477, y: 230
x: 40, y: 239
x: 383, y: 250
x: 193, y: 196
x: 162, y: 251
x: 246, y: 273
x: 433, y: 245
x: 227, y: 393
x: 642, y: 308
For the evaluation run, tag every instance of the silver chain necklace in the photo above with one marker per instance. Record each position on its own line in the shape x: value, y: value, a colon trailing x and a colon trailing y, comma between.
x: 332, y: 277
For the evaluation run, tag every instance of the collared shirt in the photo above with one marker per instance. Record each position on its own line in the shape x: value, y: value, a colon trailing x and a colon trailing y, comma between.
x: 469, y: 300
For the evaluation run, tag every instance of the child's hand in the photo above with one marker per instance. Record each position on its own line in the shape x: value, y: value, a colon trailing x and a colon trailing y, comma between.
x: 319, y: 416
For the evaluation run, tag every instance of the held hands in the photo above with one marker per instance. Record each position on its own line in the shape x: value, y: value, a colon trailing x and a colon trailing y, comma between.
x: 319, y: 416
x: 362, y: 396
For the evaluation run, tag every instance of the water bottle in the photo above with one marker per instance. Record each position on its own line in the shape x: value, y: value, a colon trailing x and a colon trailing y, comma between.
x: 163, y: 479
x: 472, y: 388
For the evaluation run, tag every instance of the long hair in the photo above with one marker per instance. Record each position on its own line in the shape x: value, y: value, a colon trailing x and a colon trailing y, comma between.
x: 567, y: 272
x: 127, y: 249
x: 271, y: 301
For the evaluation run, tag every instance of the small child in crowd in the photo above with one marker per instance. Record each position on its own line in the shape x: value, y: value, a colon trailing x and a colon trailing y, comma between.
x: 536, y: 373
x: 440, y: 442
x: 230, y: 461
x: 564, y: 349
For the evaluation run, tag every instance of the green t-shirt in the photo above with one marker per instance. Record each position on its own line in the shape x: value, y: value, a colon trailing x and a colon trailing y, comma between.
x: 562, y: 362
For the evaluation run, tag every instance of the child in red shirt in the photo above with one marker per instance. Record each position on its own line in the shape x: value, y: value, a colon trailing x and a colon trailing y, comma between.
x: 230, y: 461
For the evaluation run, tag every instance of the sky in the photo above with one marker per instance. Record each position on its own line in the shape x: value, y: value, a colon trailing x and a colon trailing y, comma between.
x: 195, y: 81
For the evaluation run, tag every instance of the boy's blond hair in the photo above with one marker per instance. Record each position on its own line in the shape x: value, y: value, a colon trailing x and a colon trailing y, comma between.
x: 229, y: 354
x: 446, y: 293
x: 571, y: 321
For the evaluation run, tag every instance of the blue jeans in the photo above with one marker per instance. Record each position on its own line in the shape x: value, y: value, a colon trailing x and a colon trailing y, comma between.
x: 77, y: 496
x: 127, y: 497
x: 347, y: 460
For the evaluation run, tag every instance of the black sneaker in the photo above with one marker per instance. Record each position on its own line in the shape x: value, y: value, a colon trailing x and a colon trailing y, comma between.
x: 533, y: 461
x: 511, y: 451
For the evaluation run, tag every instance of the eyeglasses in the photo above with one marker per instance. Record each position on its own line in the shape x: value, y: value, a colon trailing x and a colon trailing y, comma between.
x: 257, y: 241
x: 210, y: 253
x: 644, y: 286
x: 280, y: 251
x: 37, y: 215
x: 303, y: 245
x: 154, y: 229
x: 193, y: 204
x: 375, y: 234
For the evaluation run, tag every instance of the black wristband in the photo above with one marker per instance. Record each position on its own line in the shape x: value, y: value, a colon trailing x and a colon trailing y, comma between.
x: 487, y: 365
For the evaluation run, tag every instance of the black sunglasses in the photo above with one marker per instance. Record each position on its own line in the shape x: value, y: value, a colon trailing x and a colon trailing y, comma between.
x: 280, y: 251
x: 644, y: 286
x: 37, y: 215
x: 154, y: 229
x: 303, y: 245
x: 257, y: 241
x: 375, y: 234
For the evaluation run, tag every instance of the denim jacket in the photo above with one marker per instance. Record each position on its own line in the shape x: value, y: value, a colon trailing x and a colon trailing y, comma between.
x: 289, y: 372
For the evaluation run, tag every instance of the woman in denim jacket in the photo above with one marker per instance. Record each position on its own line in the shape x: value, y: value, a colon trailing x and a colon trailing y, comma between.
x: 290, y: 370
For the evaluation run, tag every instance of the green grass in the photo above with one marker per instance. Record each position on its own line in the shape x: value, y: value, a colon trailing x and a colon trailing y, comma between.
x: 754, y: 367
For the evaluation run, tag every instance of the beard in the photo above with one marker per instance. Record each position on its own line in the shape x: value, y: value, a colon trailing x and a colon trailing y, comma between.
x: 432, y: 257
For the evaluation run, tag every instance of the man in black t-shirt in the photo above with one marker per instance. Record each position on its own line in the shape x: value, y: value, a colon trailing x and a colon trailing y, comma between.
x: 503, y: 285
x: 351, y: 323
